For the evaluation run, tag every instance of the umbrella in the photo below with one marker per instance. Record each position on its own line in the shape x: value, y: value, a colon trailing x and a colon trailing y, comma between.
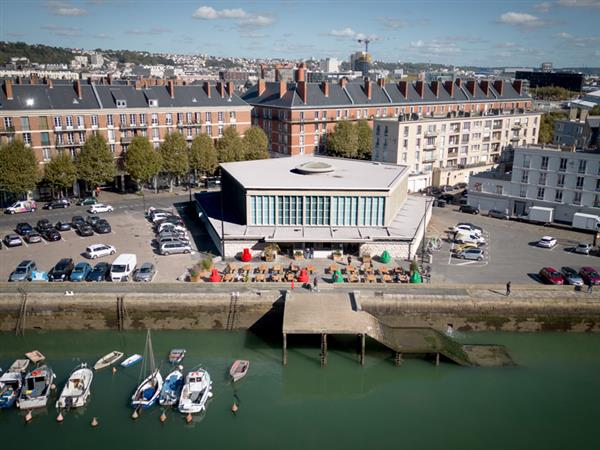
x: 303, y: 276
x: 337, y: 277
x: 416, y: 278
x: 214, y: 276
x: 246, y: 256
x: 385, y: 257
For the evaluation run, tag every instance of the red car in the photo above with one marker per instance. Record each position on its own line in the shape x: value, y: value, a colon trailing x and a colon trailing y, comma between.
x: 551, y: 276
x: 589, y: 275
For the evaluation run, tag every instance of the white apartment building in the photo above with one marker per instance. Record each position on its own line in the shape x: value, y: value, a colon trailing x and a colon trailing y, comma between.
x: 568, y: 181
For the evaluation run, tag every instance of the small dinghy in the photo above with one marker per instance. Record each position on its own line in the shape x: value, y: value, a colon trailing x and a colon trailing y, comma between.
x: 176, y: 355
x: 37, y: 388
x: 10, y: 388
x: 196, y: 392
x: 239, y: 369
x: 108, y: 359
x: 77, y: 390
x: 20, y: 365
x: 149, y: 389
x: 171, y: 389
x: 132, y: 360
x: 35, y: 356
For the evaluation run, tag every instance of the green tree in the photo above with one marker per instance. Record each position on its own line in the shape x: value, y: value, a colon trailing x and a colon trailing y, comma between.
x: 595, y: 111
x: 60, y: 172
x: 230, y: 147
x: 203, y: 155
x: 95, y: 163
x: 142, y: 162
x: 256, y: 144
x: 364, y: 136
x: 19, y: 171
x: 546, y: 133
x: 174, y: 154
x: 343, y: 140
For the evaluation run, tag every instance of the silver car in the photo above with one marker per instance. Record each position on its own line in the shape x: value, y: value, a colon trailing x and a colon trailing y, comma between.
x: 169, y: 248
x: 497, y: 214
x: 583, y: 248
x: 571, y: 276
x: 145, y: 273
x: 471, y: 253
x: 23, y: 271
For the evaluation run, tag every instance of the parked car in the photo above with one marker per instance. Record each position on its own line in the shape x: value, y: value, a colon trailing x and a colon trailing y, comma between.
x: 62, y: 226
x: 100, y: 208
x: 551, y: 276
x: 99, y: 250
x: 152, y: 211
x: 547, y: 242
x: 459, y: 248
x: 43, y: 224
x: 473, y: 238
x: 448, y: 198
x: 80, y: 271
x: 23, y: 228
x: 33, y: 238
x: 446, y: 188
x: 102, y: 227
x: 145, y: 273
x: 469, y: 209
x: 468, y: 228
x: 156, y: 217
x: 571, y: 276
x: 99, y: 272
x: 62, y: 270
x: 169, y: 248
x: 497, y: 214
x: 460, y: 186
x: 87, y: 201
x: 470, y: 253
x: 22, y: 206
x: 76, y: 221
x: 85, y: 230
x: 583, y: 248
x: 51, y: 235
x: 123, y: 267
x: 91, y: 220
x: 23, y: 271
x: 589, y: 275
x: 181, y: 235
x: 170, y: 227
x: 12, y: 240
x: 62, y: 203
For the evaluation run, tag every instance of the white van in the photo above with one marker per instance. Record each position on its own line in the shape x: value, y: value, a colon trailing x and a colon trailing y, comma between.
x: 123, y: 267
x: 23, y: 206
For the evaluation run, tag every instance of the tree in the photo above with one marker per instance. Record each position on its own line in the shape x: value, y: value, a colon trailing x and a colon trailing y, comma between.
x: 546, y: 134
x: 174, y: 154
x: 230, y: 147
x: 96, y: 163
x: 364, y: 136
x: 343, y: 140
x: 60, y: 172
x: 203, y: 155
x: 256, y: 144
x: 142, y: 162
x: 19, y: 171
x: 595, y: 111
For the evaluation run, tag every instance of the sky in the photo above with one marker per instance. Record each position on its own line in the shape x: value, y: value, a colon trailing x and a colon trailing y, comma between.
x: 459, y: 32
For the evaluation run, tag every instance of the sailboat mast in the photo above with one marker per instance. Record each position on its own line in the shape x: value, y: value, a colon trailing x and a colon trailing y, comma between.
x: 151, y: 353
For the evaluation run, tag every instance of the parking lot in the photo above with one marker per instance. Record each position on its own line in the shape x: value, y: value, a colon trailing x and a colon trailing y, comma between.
x: 131, y: 233
x: 510, y: 253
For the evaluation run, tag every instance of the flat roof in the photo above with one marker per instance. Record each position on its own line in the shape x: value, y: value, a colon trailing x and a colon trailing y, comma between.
x: 287, y: 174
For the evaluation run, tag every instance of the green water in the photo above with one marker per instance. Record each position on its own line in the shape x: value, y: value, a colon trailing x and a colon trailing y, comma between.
x: 550, y: 401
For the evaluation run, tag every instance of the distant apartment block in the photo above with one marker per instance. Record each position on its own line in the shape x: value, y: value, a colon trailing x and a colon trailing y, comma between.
x: 570, y: 81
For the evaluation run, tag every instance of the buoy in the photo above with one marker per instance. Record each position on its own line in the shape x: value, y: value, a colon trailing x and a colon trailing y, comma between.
x: 94, y: 422
x: 180, y: 367
x: 28, y: 416
x: 234, y: 408
x: 60, y: 417
x: 163, y: 417
x: 189, y: 418
x: 114, y: 370
x: 52, y: 386
x: 135, y: 414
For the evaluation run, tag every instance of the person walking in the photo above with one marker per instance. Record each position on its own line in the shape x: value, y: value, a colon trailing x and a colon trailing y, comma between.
x: 316, y: 287
x: 349, y: 260
x: 508, y: 289
x: 590, y: 287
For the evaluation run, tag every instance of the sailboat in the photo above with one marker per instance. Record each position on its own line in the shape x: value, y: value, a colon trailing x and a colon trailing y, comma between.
x: 149, y: 389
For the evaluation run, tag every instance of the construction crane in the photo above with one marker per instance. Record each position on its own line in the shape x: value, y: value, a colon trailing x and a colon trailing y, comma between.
x: 365, y: 41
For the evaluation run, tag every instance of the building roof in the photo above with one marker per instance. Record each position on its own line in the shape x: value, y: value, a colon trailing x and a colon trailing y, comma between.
x: 289, y: 174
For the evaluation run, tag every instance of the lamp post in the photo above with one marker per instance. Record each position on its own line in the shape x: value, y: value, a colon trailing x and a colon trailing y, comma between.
x: 427, y: 202
x: 222, y: 220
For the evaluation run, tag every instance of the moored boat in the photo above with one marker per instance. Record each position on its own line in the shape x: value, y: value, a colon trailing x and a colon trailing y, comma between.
x: 77, y: 390
x: 176, y: 355
x: 196, y: 392
x: 149, y: 389
x: 239, y: 369
x: 11, y: 384
x: 36, y: 388
x: 20, y: 365
x: 108, y: 359
x: 169, y: 395
x: 132, y: 360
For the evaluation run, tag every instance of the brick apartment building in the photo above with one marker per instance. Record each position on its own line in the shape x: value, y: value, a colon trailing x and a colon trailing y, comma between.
x: 297, y: 115
x: 57, y: 116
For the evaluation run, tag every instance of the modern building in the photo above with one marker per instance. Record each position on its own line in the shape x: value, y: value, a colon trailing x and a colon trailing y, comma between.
x: 570, y: 81
x: 360, y: 62
x: 297, y: 116
x: 329, y: 65
x: 567, y: 181
x: 326, y: 204
x: 581, y: 133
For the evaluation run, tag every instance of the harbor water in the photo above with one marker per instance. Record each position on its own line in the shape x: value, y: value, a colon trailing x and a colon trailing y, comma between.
x: 548, y: 401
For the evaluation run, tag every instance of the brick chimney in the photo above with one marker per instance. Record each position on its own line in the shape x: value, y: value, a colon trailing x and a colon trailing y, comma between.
x: 171, y: 88
x: 282, y: 88
x: 277, y: 75
x: 78, y: 89
x: 33, y: 79
x: 368, y: 88
x: 343, y: 82
x: 518, y: 86
x: 262, y: 86
x: 138, y: 84
x: 420, y: 87
x: 300, y: 73
x: 471, y: 87
x: 325, y: 88
x: 8, y: 89
x: 221, y: 88
x: 435, y: 88
x: 449, y: 86
x: 206, y: 87
x: 485, y: 87
x: 19, y: 80
x: 381, y: 82
x: 230, y: 89
x: 108, y: 79
x: 50, y: 83
x: 458, y: 82
x: 499, y: 86
x: 403, y: 87
x: 303, y: 90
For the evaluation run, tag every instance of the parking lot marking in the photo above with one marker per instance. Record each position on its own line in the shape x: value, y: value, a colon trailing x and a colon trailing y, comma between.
x: 466, y: 263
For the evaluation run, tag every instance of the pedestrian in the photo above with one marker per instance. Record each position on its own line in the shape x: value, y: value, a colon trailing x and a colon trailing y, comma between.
x: 508, y: 289
x: 305, y: 251
x: 428, y: 277
x: 316, y: 280
x: 312, y: 253
x: 590, y: 287
x: 349, y: 260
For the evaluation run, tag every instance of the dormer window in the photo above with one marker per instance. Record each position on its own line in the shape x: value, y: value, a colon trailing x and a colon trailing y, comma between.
x: 121, y: 103
x: 153, y: 103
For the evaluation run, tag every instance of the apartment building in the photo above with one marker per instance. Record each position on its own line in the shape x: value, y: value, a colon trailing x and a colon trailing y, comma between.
x: 298, y: 115
x: 567, y: 181
x: 57, y: 116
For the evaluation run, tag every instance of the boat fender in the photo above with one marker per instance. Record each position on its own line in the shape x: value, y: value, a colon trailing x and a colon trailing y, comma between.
x: 94, y: 422
x: 163, y: 417
x: 210, y: 394
x: 52, y: 386
x: 114, y: 370
x: 135, y: 415
x: 28, y: 416
x: 60, y: 417
x: 189, y: 418
x: 234, y: 408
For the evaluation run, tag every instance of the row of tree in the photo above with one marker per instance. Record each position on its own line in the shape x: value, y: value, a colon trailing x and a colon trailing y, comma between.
x: 350, y: 140
x: 95, y: 163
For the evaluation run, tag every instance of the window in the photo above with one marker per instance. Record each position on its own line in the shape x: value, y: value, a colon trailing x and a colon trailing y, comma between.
x: 168, y: 119
x: 155, y: 133
x: 499, y: 189
x: 111, y: 135
x: 8, y: 123
x: 558, y: 196
x: 132, y: 119
x: 80, y: 122
x: 109, y: 120
x: 69, y: 121
x: 95, y: 120
x: 220, y: 116
x: 523, y: 191
x: 27, y: 138
x: 46, y: 154
x: 563, y: 165
x: 542, y: 178
x: 208, y: 117
x: 123, y: 120
x: 143, y: 119
x: 579, y: 184
x: 540, y: 193
x: 338, y: 114
x: 154, y: 119
x: 45, y: 137
x: 153, y: 103
x: 525, y: 176
x: 209, y: 129
x: 316, y: 115
x: 560, y: 182
x: 582, y: 166
x: 113, y: 148
x: 544, y: 165
x: 577, y: 198
x: 220, y: 130
x: 121, y: 103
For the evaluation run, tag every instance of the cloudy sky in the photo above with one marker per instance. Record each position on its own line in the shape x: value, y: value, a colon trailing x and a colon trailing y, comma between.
x: 462, y: 32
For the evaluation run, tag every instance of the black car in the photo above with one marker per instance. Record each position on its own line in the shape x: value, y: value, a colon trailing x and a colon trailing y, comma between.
x: 23, y: 228
x: 43, y: 224
x: 92, y: 220
x: 102, y: 227
x: 469, y: 209
x: 99, y: 273
x: 76, y: 221
x: 51, y: 235
x: 62, y: 270
x: 62, y: 226
x: 85, y: 230
x: 62, y: 203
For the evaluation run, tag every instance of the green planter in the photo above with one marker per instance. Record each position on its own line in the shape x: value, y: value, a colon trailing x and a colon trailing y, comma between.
x: 385, y: 257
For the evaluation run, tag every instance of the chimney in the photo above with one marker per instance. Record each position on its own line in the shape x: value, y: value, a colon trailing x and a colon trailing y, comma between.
x: 435, y: 88
x: 459, y: 82
x: 221, y: 88
x: 403, y: 87
x: 138, y: 85
x: 485, y: 87
x: 449, y: 86
x: 206, y: 87
x: 282, y: 88
x: 277, y: 75
x: 518, y: 86
x: 171, y: 88
x: 368, y: 88
x: 262, y: 86
x: 50, y: 83
x: 420, y: 87
x: 108, y: 79
x: 300, y: 72
x: 343, y: 82
x: 230, y: 89
x: 303, y: 91
x: 8, y: 89
x: 471, y: 86
x: 33, y: 79
x: 325, y: 88
x: 499, y: 86
x: 78, y: 89
x: 19, y: 81
x: 381, y: 82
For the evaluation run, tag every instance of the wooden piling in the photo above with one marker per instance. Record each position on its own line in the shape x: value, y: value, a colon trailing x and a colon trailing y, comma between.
x: 437, y: 359
x: 323, y: 349
x: 398, y: 360
x: 284, y: 356
x: 362, y: 349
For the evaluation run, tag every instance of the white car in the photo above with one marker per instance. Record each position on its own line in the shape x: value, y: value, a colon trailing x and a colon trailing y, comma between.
x: 99, y: 250
x: 547, y: 242
x: 469, y: 238
x: 467, y: 228
x: 583, y: 248
x: 170, y: 227
x: 100, y: 208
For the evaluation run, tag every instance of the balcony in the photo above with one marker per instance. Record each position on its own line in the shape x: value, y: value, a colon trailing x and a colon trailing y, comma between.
x: 64, y: 144
x: 433, y: 133
x: 430, y: 146
x: 127, y: 139
x: 133, y: 126
x: 7, y: 131
x: 429, y: 157
x: 514, y: 138
x: 516, y: 126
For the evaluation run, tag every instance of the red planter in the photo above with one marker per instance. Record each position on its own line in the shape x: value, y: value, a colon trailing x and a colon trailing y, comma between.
x: 246, y: 256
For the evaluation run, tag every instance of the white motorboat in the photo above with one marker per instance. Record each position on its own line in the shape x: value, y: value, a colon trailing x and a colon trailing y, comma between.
x: 133, y: 359
x: 196, y: 392
x: 10, y: 388
x: 171, y: 388
x: 149, y: 389
x: 108, y: 359
x: 77, y: 389
x: 37, y: 388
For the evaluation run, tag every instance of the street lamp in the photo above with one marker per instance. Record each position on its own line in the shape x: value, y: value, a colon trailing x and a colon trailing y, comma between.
x: 427, y: 203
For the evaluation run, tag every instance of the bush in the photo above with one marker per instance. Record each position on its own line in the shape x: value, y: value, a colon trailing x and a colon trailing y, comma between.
x: 207, y: 263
